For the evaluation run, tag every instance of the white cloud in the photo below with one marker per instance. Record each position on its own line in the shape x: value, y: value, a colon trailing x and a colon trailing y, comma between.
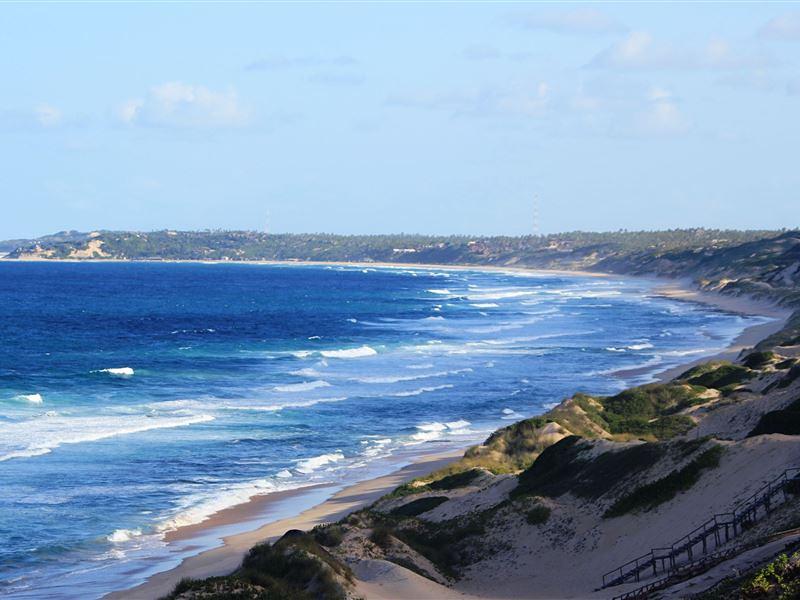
x: 784, y: 27
x: 640, y: 50
x: 661, y: 115
x: 177, y: 104
x: 580, y: 21
x: 41, y: 116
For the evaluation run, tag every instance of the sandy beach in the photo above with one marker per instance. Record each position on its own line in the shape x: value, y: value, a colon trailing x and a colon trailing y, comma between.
x: 226, y: 557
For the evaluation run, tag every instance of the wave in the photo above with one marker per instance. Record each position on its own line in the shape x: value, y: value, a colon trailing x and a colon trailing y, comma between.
x: 309, y: 465
x: 639, y: 346
x: 501, y: 295
x: 123, y: 535
x: 32, y: 398
x: 278, y: 407
x: 642, y: 346
x: 421, y: 366
x: 486, y: 305
x: 442, y: 292
x: 349, y: 352
x: 400, y: 378
x: 434, y: 430
x: 422, y: 390
x: 509, y: 414
x: 196, y: 508
x: 52, y: 432
x: 306, y: 386
x: 306, y: 373
x: 117, y: 371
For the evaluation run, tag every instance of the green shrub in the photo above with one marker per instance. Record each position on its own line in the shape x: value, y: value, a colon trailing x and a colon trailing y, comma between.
x: 723, y: 375
x: 662, y: 490
x: 758, y: 360
x: 538, y: 514
x: 328, y: 535
x: 295, y: 567
x: 560, y: 469
x: 456, y: 480
x: 419, y: 506
x: 381, y: 536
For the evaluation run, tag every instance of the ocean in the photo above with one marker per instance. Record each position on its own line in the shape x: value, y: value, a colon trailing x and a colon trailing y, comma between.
x: 139, y: 397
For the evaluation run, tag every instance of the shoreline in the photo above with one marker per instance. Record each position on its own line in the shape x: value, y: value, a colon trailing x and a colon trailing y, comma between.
x: 318, y: 263
x: 227, y: 556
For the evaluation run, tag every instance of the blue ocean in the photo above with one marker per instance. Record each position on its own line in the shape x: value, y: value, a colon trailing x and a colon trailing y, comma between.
x: 137, y: 398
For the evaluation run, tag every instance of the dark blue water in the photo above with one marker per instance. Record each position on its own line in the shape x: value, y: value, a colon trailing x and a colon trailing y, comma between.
x: 135, y: 398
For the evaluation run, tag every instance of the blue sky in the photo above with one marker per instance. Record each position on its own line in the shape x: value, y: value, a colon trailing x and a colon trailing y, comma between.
x: 392, y: 117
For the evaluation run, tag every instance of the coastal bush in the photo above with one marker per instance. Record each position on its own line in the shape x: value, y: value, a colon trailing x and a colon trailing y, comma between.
x: 381, y: 536
x: 721, y: 375
x: 295, y: 567
x: 456, y: 480
x: 419, y: 506
x: 561, y: 469
x: 538, y: 514
x: 445, y: 543
x: 662, y: 490
x: 758, y: 359
x: 328, y: 535
x: 451, y: 477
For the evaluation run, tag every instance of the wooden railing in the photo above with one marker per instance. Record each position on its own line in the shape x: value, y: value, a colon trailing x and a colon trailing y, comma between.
x: 716, y: 531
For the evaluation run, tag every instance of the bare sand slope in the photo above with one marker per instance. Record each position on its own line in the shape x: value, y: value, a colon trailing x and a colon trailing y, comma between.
x: 567, y: 557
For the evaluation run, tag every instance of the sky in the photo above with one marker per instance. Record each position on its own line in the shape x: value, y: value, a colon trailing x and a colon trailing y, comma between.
x: 435, y: 118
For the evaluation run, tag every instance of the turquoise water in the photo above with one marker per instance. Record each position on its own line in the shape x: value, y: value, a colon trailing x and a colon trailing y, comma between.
x: 136, y: 398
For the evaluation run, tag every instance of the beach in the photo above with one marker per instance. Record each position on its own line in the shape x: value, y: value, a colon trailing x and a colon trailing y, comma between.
x: 227, y: 556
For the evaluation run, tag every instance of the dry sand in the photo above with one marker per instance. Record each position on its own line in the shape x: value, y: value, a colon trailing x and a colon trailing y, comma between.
x: 226, y: 558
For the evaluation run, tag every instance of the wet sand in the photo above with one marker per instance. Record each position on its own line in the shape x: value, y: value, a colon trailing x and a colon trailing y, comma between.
x: 226, y: 558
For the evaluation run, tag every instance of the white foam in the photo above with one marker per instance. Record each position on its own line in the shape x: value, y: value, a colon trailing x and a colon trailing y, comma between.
x: 399, y: 378
x: 306, y: 386
x: 456, y: 425
x: 435, y: 426
x: 283, y: 405
x: 306, y: 373
x: 302, y: 353
x: 32, y: 398
x: 51, y: 432
x: 501, y: 294
x: 642, y: 346
x: 284, y: 474
x: 485, y: 305
x: 443, y: 292
x: 117, y: 371
x: 123, y: 535
x: 422, y: 390
x: 349, y: 352
x: 309, y: 465
x: 198, y: 507
x: 613, y: 349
